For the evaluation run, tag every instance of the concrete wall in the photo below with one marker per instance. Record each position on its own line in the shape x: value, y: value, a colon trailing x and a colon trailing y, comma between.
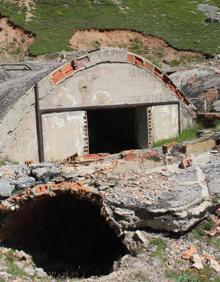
x: 63, y: 135
x: 164, y: 122
x: 106, y: 78
x: 18, y: 130
x: 108, y: 84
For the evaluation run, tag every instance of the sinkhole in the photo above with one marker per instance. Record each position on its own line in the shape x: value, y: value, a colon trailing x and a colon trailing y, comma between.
x: 65, y: 235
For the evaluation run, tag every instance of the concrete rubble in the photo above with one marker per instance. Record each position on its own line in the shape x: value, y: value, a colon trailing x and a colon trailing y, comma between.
x: 138, y: 188
x: 136, y: 191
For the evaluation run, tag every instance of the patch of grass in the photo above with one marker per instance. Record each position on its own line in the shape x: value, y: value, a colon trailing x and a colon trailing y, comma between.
x: 96, y: 44
x: 160, y: 245
x: 159, y: 52
x: 54, y: 21
x: 183, y: 276
x: 2, y: 162
x: 216, y: 243
x: 199, y: 231
x: 137, y: 46
x: 190, y: 275
x: 217, y: 124
x: 12, y: 268
x: 138, y: 276
x: 186, y: 135
x: 6, y: 161
x: 175, y: 63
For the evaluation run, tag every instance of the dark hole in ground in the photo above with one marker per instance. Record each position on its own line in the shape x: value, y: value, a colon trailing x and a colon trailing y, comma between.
x: 115, y: 130
x: 65, y: 236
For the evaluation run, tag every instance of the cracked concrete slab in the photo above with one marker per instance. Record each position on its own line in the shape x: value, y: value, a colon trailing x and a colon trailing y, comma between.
x: 169, y: 199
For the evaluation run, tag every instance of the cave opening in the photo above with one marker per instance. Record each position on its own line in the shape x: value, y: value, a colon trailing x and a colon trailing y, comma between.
x: 65, y: 236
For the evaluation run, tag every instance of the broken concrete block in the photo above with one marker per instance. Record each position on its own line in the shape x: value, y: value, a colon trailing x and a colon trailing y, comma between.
x: 25, y: 182
x: 197, y: 265
x: 214, y: 265
x: 140, y: 236
x: 196, y: 148
x: 185, y: 163
x: 197, y: 262
x: 168, y: 148
x: 129, y: 156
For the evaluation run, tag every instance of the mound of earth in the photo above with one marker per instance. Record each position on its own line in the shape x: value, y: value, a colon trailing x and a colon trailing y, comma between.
x: 13, y: 39
x: 150, y: 46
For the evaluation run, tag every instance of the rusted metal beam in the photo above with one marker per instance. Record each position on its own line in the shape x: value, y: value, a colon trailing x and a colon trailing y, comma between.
x: 39, y: 126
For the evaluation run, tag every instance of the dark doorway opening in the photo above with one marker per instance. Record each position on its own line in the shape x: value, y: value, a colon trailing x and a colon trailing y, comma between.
x: 65, y: 236
x: 112, y: 130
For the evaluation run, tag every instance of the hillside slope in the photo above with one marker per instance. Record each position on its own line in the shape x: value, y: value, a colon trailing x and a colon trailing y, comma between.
x: 189, y: 25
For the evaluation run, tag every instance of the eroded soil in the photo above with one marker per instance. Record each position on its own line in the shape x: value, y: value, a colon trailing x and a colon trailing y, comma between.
x: 153, y: 48
x: 13, y: 39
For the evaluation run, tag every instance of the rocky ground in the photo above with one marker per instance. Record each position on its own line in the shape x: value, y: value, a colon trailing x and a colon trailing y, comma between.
x: 168, y: 211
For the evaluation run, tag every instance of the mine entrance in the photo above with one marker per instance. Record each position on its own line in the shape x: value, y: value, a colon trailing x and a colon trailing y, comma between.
x: 115, y: 130
x: 66, y: 236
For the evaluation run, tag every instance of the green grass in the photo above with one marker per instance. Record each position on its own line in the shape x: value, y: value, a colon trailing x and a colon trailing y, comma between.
x: 160, y: 248
x: 186, y: 135
x: 199, y: 231
x: 216, y: 243
x: 138, y: 276
x: 12, y: 268
x: 6, y: 161
x: 54, y: 21
x: 190, y: 275
x: 2, y: 162
x: 217, y: 124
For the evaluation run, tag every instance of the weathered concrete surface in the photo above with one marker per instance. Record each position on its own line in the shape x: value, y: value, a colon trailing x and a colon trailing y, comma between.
x: 106, y: 77
x: 17, y: 113
x: 63, y: 131
x: 196, y: 148
x: 165, y: 122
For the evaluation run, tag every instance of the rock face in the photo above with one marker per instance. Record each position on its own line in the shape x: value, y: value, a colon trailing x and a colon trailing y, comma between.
x: 5, y: 189
x: 212, y: 12
x: 201, y: 86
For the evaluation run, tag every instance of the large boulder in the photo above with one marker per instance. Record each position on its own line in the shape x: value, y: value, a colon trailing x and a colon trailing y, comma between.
x: 201, y: 86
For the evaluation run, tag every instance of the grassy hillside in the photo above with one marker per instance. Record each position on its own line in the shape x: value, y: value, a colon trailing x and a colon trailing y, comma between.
x: 177, y: 21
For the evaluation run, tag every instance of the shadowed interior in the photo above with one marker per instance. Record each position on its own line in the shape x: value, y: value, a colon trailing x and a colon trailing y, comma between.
x: 65, y: 236
x: 112, y: 130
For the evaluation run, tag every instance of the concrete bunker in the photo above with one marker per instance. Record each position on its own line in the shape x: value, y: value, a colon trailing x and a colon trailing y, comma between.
x: 67, y: 234
x: 57, y: 110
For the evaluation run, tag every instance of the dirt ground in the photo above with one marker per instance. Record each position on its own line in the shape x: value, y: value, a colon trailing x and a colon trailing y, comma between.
x: 13, y: 40
x: 146, y: 45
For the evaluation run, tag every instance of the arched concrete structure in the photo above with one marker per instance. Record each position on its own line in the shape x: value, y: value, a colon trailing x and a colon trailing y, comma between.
x: 70, y: 103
